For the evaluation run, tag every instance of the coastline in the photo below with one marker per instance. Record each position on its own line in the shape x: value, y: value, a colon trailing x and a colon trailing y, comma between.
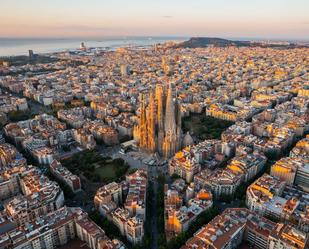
x: 20, y: 46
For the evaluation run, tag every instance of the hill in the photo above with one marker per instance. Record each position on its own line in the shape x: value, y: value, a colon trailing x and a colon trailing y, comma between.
x: 200, y: 42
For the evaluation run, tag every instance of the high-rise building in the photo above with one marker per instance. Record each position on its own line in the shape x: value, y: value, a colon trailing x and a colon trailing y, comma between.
x: 159, y: 127
x: 31, y: 54
x: 82, y: 46
x: 125, y: 70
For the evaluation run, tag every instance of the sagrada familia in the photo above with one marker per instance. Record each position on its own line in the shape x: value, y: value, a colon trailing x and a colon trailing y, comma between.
x: 159, y: 126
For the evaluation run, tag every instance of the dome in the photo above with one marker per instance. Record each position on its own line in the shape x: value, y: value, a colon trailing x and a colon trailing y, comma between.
x: 187, y: 140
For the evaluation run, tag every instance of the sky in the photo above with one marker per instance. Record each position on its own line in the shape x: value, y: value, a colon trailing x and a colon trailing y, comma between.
x: 271, y: 19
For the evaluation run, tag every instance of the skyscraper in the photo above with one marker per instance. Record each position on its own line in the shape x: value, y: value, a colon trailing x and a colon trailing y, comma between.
x: 159, y: 126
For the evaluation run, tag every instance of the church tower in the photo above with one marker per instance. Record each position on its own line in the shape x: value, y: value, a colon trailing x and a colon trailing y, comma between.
x: 159, y: 126
x: 170, y: 122
x: 160, y: 117
x: 170, y: 139
x: 143, y: 124
x: 151, y: 124
x: 178, y: 126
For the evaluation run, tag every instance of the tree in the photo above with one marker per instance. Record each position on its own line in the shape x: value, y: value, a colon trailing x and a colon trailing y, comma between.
x: 16, y: 116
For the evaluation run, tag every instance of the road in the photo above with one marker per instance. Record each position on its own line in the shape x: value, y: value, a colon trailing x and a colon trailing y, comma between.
x: 152, y: 176
x: 154, y: 226
x: 223, y: 205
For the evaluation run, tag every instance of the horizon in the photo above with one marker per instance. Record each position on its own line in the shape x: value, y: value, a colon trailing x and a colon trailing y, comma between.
x: 166, y: 37
x: 275, y: 20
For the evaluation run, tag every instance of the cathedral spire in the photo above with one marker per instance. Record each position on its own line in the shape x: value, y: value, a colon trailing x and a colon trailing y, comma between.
x: 143, y: 124
x: 170, y: 122
x: 160, y: 112
x: 151, y: 124
x: 159, y: 128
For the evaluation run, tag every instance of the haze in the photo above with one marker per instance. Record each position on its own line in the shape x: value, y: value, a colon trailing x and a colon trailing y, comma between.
x: 275, y: 19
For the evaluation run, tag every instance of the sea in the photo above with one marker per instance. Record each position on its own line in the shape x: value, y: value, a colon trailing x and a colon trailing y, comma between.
x: 21, y: 46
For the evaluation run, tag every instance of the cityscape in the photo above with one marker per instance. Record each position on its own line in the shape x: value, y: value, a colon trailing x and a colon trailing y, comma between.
x: 153, y: 136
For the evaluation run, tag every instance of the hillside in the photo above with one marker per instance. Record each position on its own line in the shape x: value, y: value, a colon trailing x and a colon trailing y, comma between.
x: 197, y: 42
x: 200, y: 42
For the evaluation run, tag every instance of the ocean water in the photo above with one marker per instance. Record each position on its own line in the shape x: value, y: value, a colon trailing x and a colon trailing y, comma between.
x: 20, y: 46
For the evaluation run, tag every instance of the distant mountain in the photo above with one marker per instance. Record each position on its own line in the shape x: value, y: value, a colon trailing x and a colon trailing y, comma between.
x: 200, y: 42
